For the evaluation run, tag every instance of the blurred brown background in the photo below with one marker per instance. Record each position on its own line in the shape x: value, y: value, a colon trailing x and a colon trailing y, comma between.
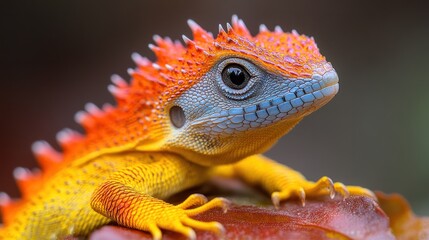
x: 57, y: 55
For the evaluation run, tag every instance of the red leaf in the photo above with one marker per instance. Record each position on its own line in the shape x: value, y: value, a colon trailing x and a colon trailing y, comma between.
x: 353, y: 218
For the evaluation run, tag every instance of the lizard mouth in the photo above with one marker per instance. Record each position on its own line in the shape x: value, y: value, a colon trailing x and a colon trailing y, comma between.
x: 298, y: 101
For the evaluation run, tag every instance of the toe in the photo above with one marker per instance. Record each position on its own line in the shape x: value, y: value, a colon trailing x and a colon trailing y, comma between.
x: 341, y: 189
x: 323, y: 184
x: 193, y: 200
x: 207, y: 226
x: 214, y: 203
x: 155, y: 231
x: 277, y: 197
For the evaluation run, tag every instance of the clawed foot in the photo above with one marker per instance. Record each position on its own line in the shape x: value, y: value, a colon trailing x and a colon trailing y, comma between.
x: 180, y: 218
x: 324, y: 186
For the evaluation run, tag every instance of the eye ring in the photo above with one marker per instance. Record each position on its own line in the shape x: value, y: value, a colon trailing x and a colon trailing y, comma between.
x: 235, y: 76
x: 246, y: 80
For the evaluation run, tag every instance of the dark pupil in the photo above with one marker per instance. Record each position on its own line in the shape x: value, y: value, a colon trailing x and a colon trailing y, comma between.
x: 235, y: 76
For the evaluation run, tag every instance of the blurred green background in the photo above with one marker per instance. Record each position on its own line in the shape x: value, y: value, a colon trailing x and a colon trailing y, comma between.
x: 58, y: 55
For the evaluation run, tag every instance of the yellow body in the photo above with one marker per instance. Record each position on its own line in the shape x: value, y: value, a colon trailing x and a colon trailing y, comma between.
x: 141, y: 180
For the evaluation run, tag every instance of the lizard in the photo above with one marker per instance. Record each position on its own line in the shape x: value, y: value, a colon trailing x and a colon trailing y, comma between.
x: 207, y: 108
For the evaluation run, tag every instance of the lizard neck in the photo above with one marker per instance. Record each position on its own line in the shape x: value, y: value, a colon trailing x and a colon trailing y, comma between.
x: 232, y: 148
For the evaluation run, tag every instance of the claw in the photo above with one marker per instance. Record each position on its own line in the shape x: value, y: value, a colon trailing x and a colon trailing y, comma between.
x: 331, y: 189
x: 301, y: 195
x: 342, y: 190
x: 215, y: 227
x: 225, y: 204
x: 275, y: 198
x: 187, y: 231
x: 220, y: 230
x: 332, y: 194
x: 191, y: 234
x: 326, y: 182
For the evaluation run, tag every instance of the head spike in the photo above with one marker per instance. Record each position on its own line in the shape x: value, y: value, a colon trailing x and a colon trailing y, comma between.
x: 83, y: 118
x: 234, y: 19
x: 39, y: 147
x: 241, y: 23
x: 160, y: 51
x: 46, y: 155
x: 193, y: 25
x: 156, y: 38
x: 278, y: 29
x: 9, y: 208
x: 28, y: 181
x: 168, y: 40
x: 139, y: 60
x: 178, y: 44
x: 221, y: 30
x: 263, y: 28
x: 228, y: 27
x: 294, y: 32
x: 156, y: 49
x: 92, y: 109
x: 117, y: 92
x: 118, y: 81
x: 239, y: 27
x: 4, y: 198
x: 80, y: 117
x: 199, y: 33
x: 62, y: 136
x: 67, y: 136
x: 186, y: 40
x: 152, y: 47
x: 130, y: 72
x: 107, y: 107
x: 20, y: 173
x: 43, y: 148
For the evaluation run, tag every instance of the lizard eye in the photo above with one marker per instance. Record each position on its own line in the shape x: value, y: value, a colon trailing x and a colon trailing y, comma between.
x: 235, y: 76
x: 238, y: 79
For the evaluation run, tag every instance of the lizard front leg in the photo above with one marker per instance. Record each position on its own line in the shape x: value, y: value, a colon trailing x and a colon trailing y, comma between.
x: 283, y: 182
x: 131, y: 197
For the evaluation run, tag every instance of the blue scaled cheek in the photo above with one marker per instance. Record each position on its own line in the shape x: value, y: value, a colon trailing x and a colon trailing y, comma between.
x: 210, y: 107
x: 284, y: 104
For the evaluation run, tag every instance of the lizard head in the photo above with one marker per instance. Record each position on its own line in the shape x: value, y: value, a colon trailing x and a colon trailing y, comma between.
x: 225, y: 98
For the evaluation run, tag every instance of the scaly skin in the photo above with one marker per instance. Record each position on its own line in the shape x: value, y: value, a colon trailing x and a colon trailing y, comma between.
x: 206, y: 109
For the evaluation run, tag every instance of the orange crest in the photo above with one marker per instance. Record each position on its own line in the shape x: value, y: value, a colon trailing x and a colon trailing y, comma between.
x: 178, y: 68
